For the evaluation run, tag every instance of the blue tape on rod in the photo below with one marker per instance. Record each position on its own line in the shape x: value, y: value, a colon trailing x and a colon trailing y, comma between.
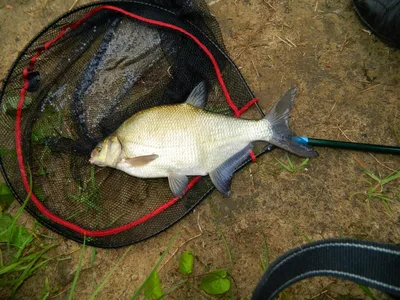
x: 300, y: 140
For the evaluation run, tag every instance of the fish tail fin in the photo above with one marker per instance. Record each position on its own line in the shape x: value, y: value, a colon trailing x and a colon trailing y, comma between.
x: 278, y: 120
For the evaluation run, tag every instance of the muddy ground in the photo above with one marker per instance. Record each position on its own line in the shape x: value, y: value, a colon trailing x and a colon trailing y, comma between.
x: 348, y: 85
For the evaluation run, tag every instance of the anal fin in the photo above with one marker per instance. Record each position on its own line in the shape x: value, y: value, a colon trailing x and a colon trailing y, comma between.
x: 221, y: 177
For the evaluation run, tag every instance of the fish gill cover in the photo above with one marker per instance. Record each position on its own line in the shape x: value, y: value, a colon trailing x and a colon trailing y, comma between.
x: 77, y: 81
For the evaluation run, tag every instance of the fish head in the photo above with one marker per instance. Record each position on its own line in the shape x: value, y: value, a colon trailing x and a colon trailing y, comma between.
x: 107, y: 152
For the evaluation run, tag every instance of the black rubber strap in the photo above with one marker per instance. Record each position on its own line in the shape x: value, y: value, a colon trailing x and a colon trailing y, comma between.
x: 372, y: 264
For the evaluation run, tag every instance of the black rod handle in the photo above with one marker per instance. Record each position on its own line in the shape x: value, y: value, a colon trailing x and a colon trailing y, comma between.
x: 348, y: 145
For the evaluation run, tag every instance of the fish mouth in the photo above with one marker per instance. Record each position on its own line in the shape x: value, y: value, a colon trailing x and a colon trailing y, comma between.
x: 91, y: 160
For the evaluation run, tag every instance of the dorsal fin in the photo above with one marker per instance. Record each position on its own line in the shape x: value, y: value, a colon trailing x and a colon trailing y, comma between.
x: 198, y: 96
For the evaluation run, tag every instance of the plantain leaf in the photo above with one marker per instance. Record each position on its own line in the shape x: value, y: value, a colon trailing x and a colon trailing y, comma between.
x: 152, y: 289
x: 186, y: 263
x: 216, y: 283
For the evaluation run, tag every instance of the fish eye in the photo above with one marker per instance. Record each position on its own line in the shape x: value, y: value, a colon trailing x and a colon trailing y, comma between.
x: 98, y: 149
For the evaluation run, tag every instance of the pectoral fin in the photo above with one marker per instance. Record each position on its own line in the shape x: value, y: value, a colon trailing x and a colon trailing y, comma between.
x: 140, y: 161
x: 177, y: 183
x: 221, y: 176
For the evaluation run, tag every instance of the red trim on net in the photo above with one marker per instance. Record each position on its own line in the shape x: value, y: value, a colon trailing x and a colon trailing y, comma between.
x: 39, y: 205
x: 33, y: 59
x: 247, y: 106
x: 252, y: 155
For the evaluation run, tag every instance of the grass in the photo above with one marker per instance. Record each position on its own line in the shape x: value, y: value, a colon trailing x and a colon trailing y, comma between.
x: 107, y: 277
x: 4, y: 152
x: 228, y: 250
x: 88, y: 194
x: 367, y: 291
x: 289, y: 166
x: 93, y: 257
x: 46, y: 290
x: 42, y: 171
x: 265, y: 264
x: 264, y: 257
x: 306, y: 237
x: 23, y: 256
x: 78, y: 270
x: 378, y: 188
x: 174, y: 288
x: 17, y: 216
x: 143, y: 285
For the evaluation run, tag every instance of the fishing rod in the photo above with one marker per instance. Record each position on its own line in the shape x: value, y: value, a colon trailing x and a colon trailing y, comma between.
x: 347, y: 145
x: 339, y: 144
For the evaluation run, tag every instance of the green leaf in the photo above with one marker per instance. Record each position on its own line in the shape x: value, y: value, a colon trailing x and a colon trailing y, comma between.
x: 175, y: 287
x: 287, y: 168
x: 264, y: 258
x: 78, y: 270
x: 216, y: 283
x: 303, y: 164
x: 109, y: 274
x: 5, y: 222
x: 391, y: 177
x: 367, y: 291
x: 152, y: 289
x: 17, y: 236
x: 139, y: 290
x: 186, y: 262
x: 9, y: 268
x: 46, y: 290
x: 7, y: 152
x: 11, y: 103
x: 6, y: 197
x: 93, y: 256
x: 38, y: 192
x: 372, y: 175
x: 291, y: 165
x: 284, y: 296
x: 29, y: 270
x: 21, y: 237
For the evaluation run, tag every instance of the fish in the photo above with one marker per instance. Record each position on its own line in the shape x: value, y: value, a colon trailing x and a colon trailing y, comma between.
x: 175, y: 141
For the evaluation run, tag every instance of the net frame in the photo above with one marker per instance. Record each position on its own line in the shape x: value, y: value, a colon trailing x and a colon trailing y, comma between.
x: 99, y: 237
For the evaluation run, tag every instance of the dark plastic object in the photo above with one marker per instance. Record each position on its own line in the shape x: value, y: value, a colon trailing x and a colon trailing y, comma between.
x: 381, y: 17
x: 368, y: 263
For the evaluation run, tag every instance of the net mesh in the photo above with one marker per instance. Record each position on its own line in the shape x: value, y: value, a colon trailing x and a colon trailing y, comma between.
x: 83, y: 87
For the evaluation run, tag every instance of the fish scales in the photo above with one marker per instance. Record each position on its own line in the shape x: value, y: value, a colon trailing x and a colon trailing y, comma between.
x: 191, y: 139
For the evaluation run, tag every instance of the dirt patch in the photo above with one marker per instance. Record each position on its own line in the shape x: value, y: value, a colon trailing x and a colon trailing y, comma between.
x: 348, y: 86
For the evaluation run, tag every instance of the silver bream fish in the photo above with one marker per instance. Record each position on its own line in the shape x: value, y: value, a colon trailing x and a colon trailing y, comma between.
x: 181, y: 140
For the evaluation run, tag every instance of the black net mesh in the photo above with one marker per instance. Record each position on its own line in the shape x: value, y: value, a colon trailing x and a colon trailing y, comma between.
x: 85, y: 86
